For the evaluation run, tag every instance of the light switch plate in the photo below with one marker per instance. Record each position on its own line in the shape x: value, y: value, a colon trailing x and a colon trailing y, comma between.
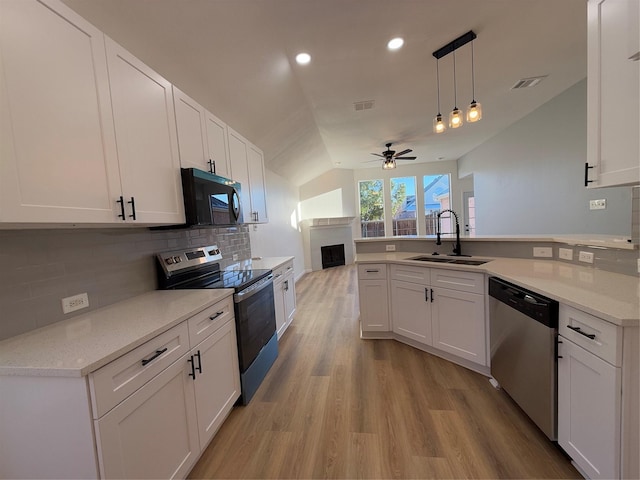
x: 586, y: 257
x: 565, y: 253
x: 546, y: 252
x: 600, y: 204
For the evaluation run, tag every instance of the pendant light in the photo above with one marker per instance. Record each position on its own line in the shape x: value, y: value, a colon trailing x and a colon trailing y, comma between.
x: 455, y: 117
x: 438, y: 124
x: 474, y: 111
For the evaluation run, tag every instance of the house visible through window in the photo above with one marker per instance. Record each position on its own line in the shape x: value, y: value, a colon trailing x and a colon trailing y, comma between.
x: 371, y: 208
x: 403, y: 206
x: 437, y: 198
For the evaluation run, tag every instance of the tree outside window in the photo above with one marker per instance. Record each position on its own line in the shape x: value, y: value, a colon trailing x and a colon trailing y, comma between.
x: 403, y: 206
x: 371, y: 208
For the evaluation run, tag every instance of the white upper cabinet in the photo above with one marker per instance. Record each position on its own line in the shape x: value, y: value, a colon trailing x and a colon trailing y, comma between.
x: 255, y: 161
x: 146, y: 137
x: 202, y: 137
x: 58, y: 161
x: 217, y: 144
x: 613, y: 99
x: 247, y: 167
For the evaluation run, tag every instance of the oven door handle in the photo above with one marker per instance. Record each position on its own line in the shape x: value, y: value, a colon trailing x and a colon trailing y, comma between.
x: 253, y: 289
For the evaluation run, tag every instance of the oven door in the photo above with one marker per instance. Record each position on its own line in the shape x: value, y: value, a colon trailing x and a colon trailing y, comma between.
x: 255, y: 320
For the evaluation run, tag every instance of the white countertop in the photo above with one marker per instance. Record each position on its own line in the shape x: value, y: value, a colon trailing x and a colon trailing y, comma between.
x: 265, y: 263
x: 82, y: 344
x: 610, y: 296
x: 596, y: 240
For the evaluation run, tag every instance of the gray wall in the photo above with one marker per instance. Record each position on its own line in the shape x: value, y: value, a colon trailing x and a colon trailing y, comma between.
x: 529, y: 178
x: 40, y: 267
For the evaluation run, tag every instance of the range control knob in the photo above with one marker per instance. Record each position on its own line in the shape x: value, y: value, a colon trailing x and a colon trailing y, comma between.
x: 177, y: 259
x: 168, y: 260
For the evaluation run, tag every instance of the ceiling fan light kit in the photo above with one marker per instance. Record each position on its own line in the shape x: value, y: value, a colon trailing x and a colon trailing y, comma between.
x: 474, y: 111
x: 390, y: 157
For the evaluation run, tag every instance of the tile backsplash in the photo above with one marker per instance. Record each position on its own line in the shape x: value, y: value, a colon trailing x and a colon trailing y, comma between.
x: 40, y: 267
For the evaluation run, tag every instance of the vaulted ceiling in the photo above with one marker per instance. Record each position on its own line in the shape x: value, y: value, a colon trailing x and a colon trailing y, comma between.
x: 236, y: 57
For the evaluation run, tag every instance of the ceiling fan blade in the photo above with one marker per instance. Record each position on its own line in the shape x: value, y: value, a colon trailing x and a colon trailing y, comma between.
x: 399, y: 154
x: 377, y: 155
x: 406, y: 158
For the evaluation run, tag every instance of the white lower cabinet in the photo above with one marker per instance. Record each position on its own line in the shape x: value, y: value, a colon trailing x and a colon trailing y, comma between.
x: 598, y: 395
x: 411, y: 309
x: 284, y: 289
x: 373, y: 296
x: 588, y: 410
x: 443, y: 309
x: 153, y: 433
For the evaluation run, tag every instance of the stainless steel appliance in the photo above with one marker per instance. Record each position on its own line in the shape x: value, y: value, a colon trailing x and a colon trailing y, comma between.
x: 523, y: 331
x: 210, y: 200
x: 254, y: 306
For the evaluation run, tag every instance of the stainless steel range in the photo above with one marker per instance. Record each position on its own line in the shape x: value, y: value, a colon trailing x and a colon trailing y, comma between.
x: 255, y: 315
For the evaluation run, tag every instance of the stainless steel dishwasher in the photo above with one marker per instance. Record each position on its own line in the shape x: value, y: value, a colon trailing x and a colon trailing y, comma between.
x: 523, y: 332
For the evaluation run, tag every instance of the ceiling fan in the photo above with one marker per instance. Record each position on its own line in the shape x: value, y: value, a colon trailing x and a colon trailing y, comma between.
x: 390, y: 157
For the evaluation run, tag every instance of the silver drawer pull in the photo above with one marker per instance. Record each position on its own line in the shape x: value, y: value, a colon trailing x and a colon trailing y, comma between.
x: 213, y: 317
x: 146, y: 361
x: 373, y: 271
x: 577, y: 329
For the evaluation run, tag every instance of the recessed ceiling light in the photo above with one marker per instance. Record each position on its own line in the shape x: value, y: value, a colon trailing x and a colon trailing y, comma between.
x: 303, y: 58
x: 395, y: 43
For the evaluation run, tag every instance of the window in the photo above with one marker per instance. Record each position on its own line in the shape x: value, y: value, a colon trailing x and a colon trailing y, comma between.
x: 403, y: 206
x: 437, y: 198
x: 371, y: 208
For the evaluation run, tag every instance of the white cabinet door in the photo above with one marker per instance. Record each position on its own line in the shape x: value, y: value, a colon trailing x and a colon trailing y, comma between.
x: 278, y: 297
x: 374, y: 305
x: 257, y: 184
x: 217, y: 386
x: 217, y: 144
x: 192, y: 136
x: 459, y: 324
x: 613, y: 95
x: 589, y: 410
x: 153, y: 433
x: 147, y: 141
x: 240, y: 171
x: 289, y: 286
x: 58, y: 159
x: 411, y: 311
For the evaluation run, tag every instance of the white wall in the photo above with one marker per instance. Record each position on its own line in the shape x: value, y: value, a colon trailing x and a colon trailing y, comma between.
x: 331, y: 194
x: 530, y: 177
x: 280, y: 237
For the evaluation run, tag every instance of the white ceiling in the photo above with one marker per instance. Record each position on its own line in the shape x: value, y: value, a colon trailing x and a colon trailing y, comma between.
x: 237, y: 58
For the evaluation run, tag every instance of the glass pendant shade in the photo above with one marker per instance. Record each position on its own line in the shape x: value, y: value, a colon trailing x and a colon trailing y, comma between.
x: 474, y: 112
x: 438, y: 124
x: 389, y: 164
x: 455, y: 118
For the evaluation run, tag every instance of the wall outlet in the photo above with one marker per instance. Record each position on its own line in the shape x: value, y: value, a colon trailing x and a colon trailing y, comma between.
x: 543, y: 252
x: 639, y: 265
x: 391, y: 248
x: 565, y: 253
x: 586, y: 257
x: 77, y: 302
x: 598, y: 204
x: 235, y: 257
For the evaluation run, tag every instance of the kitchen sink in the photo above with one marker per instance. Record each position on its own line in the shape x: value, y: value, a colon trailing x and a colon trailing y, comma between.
x: 454, y: 261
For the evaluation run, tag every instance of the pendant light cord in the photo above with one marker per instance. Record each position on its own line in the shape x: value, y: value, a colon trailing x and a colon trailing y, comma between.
x: 473, y: 77
x: 455, y: 93
x: 438, y: 82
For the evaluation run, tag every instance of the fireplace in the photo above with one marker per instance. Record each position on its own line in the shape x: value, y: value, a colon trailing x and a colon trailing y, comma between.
x: 332, y: 255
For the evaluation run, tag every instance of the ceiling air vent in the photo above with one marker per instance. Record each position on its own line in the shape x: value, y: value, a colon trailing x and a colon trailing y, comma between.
x: 528, y: 82
x: 366, y: 105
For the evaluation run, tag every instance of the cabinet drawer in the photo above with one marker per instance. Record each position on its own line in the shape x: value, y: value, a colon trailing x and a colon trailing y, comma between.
x: 372, y: 271
x: 282, y: 270
x: 408, y: 273
x: 203, y: 324
x: 117, y: 380
x: 607, y: 343
x: 462, y: 281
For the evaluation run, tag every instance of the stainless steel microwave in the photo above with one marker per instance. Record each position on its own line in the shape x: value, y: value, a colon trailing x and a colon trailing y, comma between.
x: 210, y: 200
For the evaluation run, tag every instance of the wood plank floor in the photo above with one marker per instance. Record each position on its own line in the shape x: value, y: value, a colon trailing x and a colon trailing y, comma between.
x: 336, y: 406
